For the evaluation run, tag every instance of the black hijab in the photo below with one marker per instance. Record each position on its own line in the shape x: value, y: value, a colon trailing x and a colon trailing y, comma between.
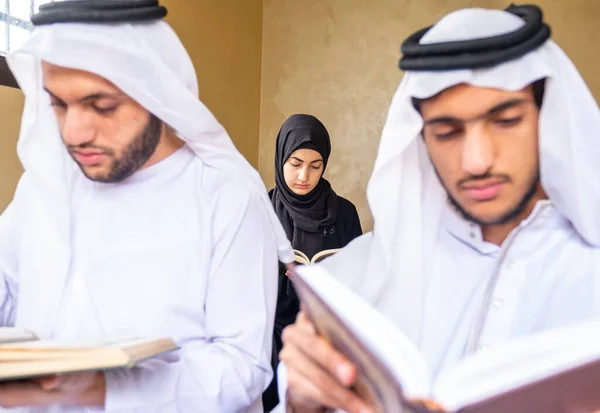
x: 304, y: 217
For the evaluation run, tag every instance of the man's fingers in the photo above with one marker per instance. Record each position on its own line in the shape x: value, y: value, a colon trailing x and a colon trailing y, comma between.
x: 305, y: 393
x: 25, y: 393
x: 314, y: 386
x: 302, y: 317
x: 304, y: 324
x: 320, y: 351
x: 50, y: 383
x: 318, y: 375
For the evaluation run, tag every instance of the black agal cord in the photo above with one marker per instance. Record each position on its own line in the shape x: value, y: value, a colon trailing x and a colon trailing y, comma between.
x: 477, y: 53
x: 99, y: 11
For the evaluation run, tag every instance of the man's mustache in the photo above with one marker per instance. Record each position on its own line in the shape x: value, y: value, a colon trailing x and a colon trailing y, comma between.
x: 86, y: 146
x: 485, y: 177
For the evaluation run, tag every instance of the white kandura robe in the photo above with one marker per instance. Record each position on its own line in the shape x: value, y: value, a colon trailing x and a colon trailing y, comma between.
x: 547, y: 277
x: 179, y: 249
x: 426, y: 269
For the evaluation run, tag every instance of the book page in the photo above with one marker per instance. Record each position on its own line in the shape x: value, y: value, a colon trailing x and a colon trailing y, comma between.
x: 140, y: 349
x: 57, y: 356
x: 70, y: 345
x: 301, y: 258
x: 517, y: 363
x: 320, y: 256
x: 14, y: 334
x: 133, y: 349
x: 392, y: 349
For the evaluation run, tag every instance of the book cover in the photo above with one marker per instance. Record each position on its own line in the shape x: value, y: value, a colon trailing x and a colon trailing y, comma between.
x: 559, y: 378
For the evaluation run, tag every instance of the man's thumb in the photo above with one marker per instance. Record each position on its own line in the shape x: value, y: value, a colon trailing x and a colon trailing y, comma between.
x: 51, y: 382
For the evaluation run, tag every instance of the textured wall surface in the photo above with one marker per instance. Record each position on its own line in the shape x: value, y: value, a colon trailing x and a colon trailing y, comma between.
x: 337, y: 59
x: 223, y: 38
x: 11, y: 106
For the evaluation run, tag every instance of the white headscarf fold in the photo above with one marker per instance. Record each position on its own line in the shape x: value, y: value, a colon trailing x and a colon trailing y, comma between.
x: 148, y: 63
x: 406, y: 197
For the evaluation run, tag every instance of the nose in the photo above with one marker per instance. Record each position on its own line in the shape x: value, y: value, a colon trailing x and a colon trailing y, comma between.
x: 303, y: 174
x: 478, y: 151
x: 76, y: 127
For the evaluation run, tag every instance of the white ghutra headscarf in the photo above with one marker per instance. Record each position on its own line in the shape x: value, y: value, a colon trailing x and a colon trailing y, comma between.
x: 391, y: 266
x: 148, y: 63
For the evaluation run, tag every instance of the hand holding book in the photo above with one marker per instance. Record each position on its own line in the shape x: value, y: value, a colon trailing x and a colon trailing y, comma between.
x: 74, y: 389
x: 553, y: 371
x: 37, y: 372
x: 318, y: 376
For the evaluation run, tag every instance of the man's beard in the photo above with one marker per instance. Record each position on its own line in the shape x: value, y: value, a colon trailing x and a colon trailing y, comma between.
x: 509, y: 216
x: 135, y: 155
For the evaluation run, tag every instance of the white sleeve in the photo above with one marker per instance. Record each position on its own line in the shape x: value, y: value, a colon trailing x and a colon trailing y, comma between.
x: 8, y: 260
x: 282, y: 386
x: 228, y: 369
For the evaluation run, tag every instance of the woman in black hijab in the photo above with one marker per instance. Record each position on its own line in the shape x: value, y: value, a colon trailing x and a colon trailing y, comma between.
x: 314, y: 217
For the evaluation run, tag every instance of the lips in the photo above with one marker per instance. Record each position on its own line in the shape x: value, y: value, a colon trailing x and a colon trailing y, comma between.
x: 484, y: 191
x: 301, y: 186
x: 88, y: 159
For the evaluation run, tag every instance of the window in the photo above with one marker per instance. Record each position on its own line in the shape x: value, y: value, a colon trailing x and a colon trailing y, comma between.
x: 15, y: 27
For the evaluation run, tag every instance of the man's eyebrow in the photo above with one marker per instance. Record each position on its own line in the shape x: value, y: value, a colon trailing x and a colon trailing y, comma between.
x: 88, y: 98
x: 506, y: 105
x: 494, y: 110
x: 442, y: 119
x: 52, y: 95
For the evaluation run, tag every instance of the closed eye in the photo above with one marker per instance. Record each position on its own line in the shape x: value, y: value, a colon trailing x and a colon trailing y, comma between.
x: 58, y: 104
x: 443, y: 129
x: 106, y: 110
x: 447, y: 135
x: 509, y: 121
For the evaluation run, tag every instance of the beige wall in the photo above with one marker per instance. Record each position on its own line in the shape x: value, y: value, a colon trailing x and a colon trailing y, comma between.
x: 337, y: 59
x: 223, y: 38
x: 11, y: 106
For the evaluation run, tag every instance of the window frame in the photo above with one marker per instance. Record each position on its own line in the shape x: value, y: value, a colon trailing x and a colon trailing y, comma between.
x: 6, y: 76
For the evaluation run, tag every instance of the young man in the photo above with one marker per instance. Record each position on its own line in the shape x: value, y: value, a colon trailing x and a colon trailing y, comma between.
x: 485, y: 195
x: 135, y: 216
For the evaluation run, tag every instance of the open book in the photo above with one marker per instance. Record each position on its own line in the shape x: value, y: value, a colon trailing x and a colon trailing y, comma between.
x: 22, y: 355
x: 557, y: 371
x: 301, y: 257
